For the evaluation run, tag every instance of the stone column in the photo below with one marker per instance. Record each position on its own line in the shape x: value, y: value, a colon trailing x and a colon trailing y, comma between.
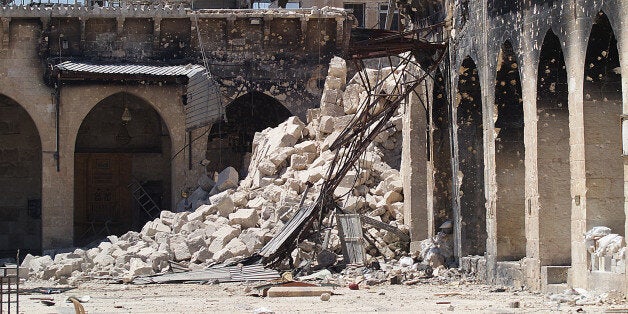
x: 414, y: 168
x: 575, y: 51
x: 528, y: 73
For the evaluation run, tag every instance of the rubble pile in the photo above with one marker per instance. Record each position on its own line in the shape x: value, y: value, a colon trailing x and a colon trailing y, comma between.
x: 226, y: 219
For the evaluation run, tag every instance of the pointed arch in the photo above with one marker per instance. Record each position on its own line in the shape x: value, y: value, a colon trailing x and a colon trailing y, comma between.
x: 602, y: 109
x: 554, y: 179
x: 230, y: 141
x: 471, y: 160
x: 509, y: 157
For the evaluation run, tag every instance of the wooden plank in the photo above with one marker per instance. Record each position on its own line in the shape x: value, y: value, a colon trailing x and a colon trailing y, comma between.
x: 298, y: 291
x: 352, y: 239
x: 378, y: 224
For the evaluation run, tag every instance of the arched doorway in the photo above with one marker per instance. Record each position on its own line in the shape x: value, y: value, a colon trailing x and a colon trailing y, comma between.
x: 509, y: 158
x: 230, y: 141
x: 122, y: 142
x: 553, y: 155
x: 20, y: 181
x: 471, y: 160
x: 602, y: 107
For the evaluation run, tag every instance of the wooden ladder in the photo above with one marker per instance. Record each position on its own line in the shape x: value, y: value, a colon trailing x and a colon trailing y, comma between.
x: 143, y: 199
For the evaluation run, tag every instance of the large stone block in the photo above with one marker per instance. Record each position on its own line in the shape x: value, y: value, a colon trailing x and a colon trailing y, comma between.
x: 338, y: 68
x: 223, y: 203
x: 246, y: 217
x: 298, y: 162
x: 222, y: 237
x: 227, y: 179
x: 180, y: 248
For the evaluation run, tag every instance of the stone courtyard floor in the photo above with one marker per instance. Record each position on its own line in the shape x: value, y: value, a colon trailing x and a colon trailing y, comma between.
x: 235, y: 297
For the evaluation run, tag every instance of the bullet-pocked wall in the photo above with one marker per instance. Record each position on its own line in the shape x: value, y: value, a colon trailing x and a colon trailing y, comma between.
x: 602, y: 129
x: 563, y: 139
x: 441, y: 151
x: 553, y: 154
x: 470, y: 148
x: 509, y: 157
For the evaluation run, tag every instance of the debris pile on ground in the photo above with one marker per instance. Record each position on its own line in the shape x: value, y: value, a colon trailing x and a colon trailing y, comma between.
x: 579, y: 297
x: 607, y: 250
x: 225, y: 219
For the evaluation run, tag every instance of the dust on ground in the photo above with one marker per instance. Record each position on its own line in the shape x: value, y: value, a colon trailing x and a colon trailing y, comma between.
x: 235, y: 297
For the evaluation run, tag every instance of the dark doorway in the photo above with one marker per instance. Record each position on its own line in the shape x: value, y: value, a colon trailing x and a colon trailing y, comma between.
x: 20, y: 181
x: 471, y: 160
x: 230, y: 141
x: 122, y: 141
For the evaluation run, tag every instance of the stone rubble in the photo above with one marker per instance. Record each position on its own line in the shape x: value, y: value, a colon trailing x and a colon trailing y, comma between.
x: 227, y: 219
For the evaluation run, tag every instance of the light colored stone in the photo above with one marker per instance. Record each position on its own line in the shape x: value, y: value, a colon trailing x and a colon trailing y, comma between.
x: 222, y: 236
x: 326, y: 124
x: 246, y: 217
x: 159, y: 260
x: 103, y: 260
x: 195, y: 244
x: 152, y: 227
x: 254, y: 238
x: 200, y: 213
x: 201, y: 255
x: 227, y: 179
x: 167, y: 217
x: 256, y: 203
x: 180, y: 248
x: 332, y: 82
x: 351, y: 98
x: 267, y: 167
x: 338, y: 68
x: 298, y: 162
x: 138, y: 268
x: 306, y: 147
x: 237, y: 247
x: 392, y: 197
x: 223, y: 202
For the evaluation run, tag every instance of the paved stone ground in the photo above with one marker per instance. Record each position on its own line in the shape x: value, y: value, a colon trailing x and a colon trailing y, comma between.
x: 232, y: 297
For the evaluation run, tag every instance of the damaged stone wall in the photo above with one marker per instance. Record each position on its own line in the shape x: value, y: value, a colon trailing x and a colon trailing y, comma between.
x: 280, y: 53
x: 560, y: 130
x: 289, y: 66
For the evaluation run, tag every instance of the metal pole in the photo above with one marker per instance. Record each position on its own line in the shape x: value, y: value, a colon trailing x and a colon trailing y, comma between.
x: 17, y: 282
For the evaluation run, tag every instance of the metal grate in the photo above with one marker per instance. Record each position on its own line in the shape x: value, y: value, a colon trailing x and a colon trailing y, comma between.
x: 10, y: 287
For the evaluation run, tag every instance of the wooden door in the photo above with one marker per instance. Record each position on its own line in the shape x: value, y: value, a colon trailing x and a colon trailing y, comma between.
x: 103, y: 203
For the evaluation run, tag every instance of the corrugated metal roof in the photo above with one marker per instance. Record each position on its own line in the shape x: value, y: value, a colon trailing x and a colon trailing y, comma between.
x: 131, y: 69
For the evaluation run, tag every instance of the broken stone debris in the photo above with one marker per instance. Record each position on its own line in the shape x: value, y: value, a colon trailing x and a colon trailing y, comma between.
x: 226, y: 219
x: 608, y: 250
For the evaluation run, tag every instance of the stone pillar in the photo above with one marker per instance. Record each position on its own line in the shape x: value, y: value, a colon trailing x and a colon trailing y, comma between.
x: 487, y: 79
x: 528, y: 73
x: 575, y: 51
x: 414, y: 168
x: 622, y: 47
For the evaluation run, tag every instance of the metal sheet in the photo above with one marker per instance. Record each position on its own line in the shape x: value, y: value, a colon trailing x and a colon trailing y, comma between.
x: 219, y: 274
x: 130, y: 69
x: 204, y: 101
